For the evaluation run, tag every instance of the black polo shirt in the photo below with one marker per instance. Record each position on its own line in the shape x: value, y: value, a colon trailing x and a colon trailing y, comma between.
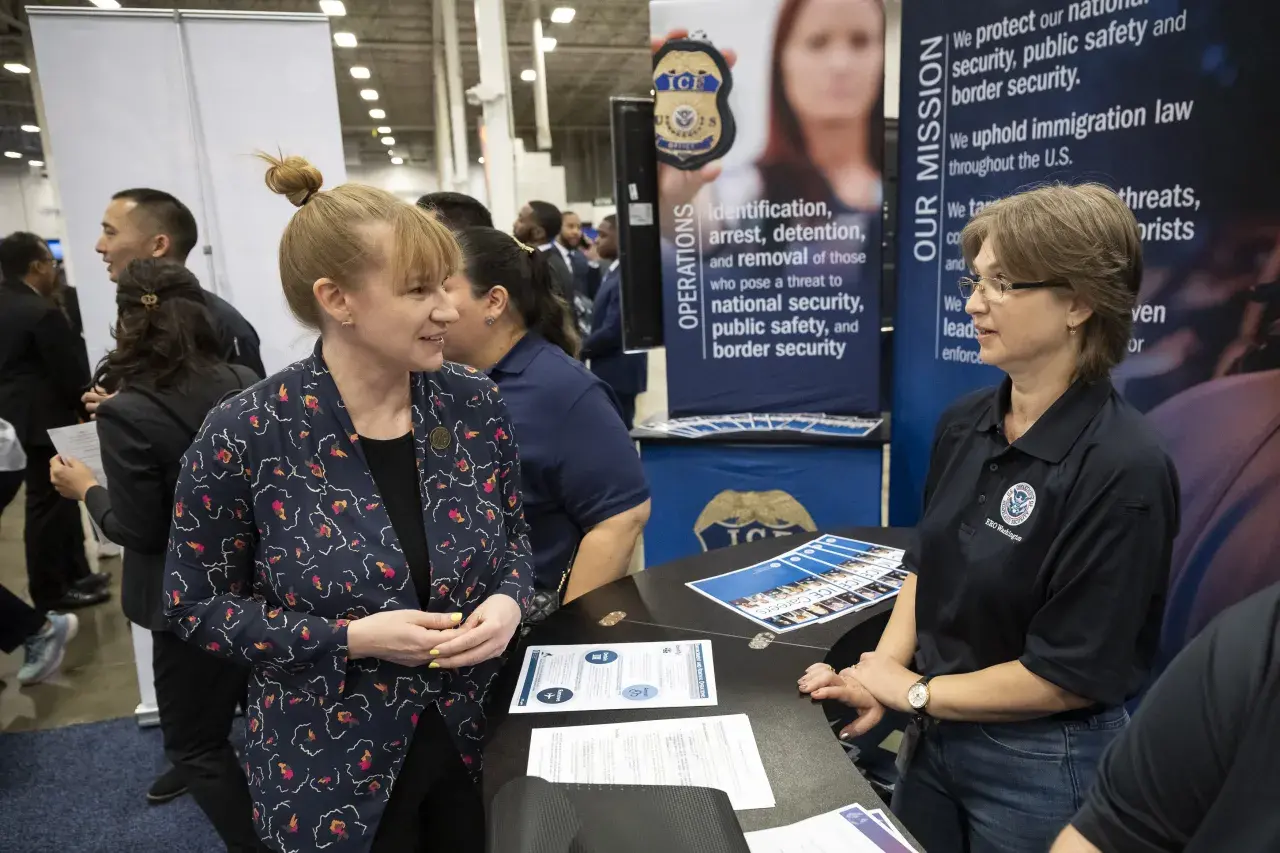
x: 1053, y: 551
x: 1197, y: 771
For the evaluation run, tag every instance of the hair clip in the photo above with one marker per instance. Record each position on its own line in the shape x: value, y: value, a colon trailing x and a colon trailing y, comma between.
x: 150, y: 301
x: 523, y: 245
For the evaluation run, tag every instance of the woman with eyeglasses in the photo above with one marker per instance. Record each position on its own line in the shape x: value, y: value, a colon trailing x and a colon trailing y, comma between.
x: 1040, y: 562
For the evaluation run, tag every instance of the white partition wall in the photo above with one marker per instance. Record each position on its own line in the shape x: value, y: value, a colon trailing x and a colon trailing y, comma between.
x: 181, y: 101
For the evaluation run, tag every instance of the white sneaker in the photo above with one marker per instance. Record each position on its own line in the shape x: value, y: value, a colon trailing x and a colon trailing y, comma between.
x: 45, y: 650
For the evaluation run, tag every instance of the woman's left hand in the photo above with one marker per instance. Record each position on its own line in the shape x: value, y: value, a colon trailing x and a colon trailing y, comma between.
x: 885, y: 678
x: 71, y: 477
x: 485, y: 634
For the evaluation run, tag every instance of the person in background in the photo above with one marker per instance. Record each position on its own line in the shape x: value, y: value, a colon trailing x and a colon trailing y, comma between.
x: 41, y: 377
x: 352, y: 528
x: 627, y: 375
x: 457, y: 210
x: 585, y: 491
x: 147, y: 223
x: 538, y: 224
x: 586, y: 275
x: 171, y: 369
x: 1034, y: 606
x: 1196, y: 772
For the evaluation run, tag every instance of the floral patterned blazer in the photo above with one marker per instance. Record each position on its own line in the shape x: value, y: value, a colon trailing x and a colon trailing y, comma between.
x: 279, y: 539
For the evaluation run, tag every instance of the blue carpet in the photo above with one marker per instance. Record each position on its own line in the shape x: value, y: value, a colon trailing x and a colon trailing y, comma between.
x: 82, y: 788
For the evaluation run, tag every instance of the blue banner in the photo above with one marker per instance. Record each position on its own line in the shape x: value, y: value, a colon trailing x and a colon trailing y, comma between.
x: 1173, y: 104
x: 770, y: 204
x: 715, y: 496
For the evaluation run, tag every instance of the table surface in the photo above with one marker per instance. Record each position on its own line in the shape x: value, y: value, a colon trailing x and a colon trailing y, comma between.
x: 807, y: 768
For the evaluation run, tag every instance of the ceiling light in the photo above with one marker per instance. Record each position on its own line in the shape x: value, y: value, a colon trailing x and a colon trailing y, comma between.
x: 528, y: 75
x: 377, y: 113
x: 344, y: 39
x: 397, y: 160
x: 384, y: 129
x: 13, y: 155
x: 481, y: 161
x: 17, y: 68
x: 562, y: 15
x: 31, y: 128
x: 333, y: 8
x: 360, y: 72
x: 388, y: 140
x: 36, y: 163
x: 106, y: 4
x: 369, y: 94
x: 548, y: 44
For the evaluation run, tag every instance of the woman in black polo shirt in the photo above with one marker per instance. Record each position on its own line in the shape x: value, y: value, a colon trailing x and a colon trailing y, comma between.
x: 1041, y: 560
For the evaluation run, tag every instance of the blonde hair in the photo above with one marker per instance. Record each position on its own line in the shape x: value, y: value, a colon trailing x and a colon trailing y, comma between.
x: 326, y: 239
x: 1082, y: 236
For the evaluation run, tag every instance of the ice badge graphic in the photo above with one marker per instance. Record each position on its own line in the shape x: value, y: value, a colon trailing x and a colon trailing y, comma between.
x: 692, y: 121
x: 1017, y: 504
x: 733, y: 517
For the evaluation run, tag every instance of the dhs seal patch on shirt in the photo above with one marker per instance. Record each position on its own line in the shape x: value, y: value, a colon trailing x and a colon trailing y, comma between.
x: 692, y: 121
x: 1017, y: 504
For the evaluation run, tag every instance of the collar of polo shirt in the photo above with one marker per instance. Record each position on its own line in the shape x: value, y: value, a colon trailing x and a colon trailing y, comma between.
x: 1052, y: 435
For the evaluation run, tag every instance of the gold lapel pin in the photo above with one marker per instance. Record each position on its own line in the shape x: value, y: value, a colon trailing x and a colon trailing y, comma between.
x: 440, y: 438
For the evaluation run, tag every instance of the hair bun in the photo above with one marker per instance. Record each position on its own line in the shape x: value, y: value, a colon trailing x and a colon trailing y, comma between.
x: 293, y: 177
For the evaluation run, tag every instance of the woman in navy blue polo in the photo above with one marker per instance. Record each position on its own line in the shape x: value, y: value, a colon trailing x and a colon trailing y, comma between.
x: 585, y: 493
x: 1034, y: 607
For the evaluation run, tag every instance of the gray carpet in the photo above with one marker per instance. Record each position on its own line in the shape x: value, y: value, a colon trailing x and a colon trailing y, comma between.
x: 82, y: 789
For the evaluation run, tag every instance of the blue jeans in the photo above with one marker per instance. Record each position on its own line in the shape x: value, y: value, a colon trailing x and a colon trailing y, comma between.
x: 1001, y: 787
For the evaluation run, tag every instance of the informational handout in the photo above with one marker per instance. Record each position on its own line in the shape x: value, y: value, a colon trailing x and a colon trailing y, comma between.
x: 704, y: 752
x: 80, y: 442
x: 851, y: 829
x: 624, y: 675
x: 720, y: 425
x: 820, y: 580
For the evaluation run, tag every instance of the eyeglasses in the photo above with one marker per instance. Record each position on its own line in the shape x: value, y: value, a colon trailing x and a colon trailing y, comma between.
x: 1000, y: 286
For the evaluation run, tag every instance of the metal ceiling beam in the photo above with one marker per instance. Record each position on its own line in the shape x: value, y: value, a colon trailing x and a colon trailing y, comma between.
x: 6, y: 18
x: 365, y: 131
x: 595, y: 49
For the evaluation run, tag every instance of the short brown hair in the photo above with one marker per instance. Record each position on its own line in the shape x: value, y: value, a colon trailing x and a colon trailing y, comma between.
x: 1083, y: 236
x: 324, y: 239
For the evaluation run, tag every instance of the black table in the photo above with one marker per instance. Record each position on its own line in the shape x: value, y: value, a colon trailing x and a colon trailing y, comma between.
x: 807, y: 768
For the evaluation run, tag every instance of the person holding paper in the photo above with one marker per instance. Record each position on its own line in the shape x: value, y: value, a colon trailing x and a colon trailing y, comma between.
x: 585, y: 490
x: 352, y: 528
x: 41, y: 377
x: 1042, y: 557
x: 167, y: 371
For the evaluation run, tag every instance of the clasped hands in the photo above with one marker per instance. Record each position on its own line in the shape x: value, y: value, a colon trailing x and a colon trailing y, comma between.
x: 874, y: 683
x: 439, y: 640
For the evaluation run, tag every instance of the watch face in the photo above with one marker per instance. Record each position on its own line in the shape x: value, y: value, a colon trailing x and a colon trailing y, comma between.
x: 918, y: 696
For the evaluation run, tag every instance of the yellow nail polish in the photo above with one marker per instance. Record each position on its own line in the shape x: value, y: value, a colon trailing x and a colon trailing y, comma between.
x: 435, y: 652
x: 433, y: 665
x: 456, y: 617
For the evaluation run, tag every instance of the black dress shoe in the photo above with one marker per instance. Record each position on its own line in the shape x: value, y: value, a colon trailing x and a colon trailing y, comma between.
x: 94, y: 581
x: 168, y: 787
x: 77, y: 598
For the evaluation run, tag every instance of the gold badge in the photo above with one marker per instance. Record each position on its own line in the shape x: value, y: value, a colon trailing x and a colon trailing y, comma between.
x: 440, y: 438
x: 692, y: 121
x: 732, y: 518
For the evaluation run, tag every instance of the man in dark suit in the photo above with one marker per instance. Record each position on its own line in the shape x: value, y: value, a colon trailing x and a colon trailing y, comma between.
x: 457, y: 210
x: 41, y: 377
x: 586, y: 274
x: 147, y: 223
x: 539, y: 225
x: 627, y: 374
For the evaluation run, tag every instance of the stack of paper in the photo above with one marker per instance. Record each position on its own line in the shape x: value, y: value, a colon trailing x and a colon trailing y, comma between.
x: 816, y: 582
x: 717, y: 425
x: 851, y: 829
x: 704, y: 752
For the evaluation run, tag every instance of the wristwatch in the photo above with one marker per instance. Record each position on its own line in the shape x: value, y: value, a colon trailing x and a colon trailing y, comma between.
x: 918, y: 696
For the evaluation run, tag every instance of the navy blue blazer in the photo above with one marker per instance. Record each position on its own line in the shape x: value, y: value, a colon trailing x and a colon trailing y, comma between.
x: 279, y: 539
x: 586, y: 278
x: 626, y: 374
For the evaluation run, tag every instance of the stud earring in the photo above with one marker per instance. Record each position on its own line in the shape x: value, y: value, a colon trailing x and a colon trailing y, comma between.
x: 488, y: 321
x: 348, y: 322
x: 1071, y: 330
